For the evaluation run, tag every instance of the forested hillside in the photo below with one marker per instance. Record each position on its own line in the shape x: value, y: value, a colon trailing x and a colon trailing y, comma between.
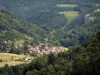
x: 53, y: 37
x: 16, y: 32
x: 82, y: 32
x: 10, y: 24
x: 65, y: 23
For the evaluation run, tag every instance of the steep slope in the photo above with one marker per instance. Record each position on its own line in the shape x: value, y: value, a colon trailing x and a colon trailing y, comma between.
x: 51, y: 26
x: 80, y: 33
x: 13, y: 29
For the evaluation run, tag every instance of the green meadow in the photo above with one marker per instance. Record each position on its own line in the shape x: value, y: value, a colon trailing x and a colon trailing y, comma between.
x: 66, y: 5
x: 71, y: 15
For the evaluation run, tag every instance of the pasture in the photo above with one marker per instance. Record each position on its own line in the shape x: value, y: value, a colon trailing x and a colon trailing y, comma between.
x: 11, y: 59
x: 71, y: 15
x: 66, y: 5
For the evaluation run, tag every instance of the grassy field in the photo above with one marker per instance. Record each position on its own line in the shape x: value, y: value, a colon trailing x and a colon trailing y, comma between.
x: 71, y: 15
x: 11, y: 59
x: 66, y: 5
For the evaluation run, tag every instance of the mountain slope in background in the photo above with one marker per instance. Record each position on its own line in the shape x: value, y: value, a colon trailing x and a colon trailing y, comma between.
x: 48, y: 25
x: 14, y: 29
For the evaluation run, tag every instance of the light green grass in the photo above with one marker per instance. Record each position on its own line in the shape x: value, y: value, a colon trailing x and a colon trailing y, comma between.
x: 11, y: 59
x: 71, y: 15
x: 66, y: 5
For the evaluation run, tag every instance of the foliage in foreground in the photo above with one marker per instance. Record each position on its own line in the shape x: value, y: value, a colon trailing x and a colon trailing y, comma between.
x: 82, y: 60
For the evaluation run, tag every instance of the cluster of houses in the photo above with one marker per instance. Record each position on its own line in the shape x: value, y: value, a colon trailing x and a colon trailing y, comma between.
x: 39, y: 49
x: 42, y: 49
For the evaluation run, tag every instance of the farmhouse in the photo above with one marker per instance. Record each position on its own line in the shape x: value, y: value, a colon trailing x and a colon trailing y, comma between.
x: 27, y: 59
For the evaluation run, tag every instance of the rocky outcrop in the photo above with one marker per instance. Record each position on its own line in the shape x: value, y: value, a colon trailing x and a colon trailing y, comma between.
x: 89, y: 18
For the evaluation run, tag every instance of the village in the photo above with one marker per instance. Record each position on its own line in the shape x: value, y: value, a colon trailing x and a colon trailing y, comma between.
x: 30, y: 51
x: 42, y: 49
x: 35, y: 49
